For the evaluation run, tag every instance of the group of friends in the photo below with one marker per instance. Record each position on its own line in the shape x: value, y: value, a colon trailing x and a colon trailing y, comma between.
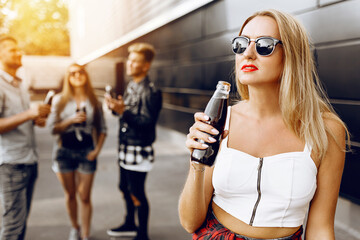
x: 279, y: 166
x: 75, y: 118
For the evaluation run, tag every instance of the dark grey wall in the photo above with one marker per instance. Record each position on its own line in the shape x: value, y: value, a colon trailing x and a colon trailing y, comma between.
x: 193, y: 53
x: 335, y: 29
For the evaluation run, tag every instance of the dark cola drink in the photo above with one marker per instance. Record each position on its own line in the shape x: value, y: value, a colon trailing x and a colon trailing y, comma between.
x: 78, y: 134
x: 216, y: 109
x: 82, y: 108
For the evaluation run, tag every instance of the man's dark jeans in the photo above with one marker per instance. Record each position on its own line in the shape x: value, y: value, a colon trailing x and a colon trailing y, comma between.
x: 17, y: 183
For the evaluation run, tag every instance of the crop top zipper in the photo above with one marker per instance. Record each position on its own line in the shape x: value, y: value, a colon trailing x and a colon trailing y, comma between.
x: 258, y: 190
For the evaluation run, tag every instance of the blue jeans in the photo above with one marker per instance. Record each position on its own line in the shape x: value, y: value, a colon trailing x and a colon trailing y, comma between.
x: 17, y: 183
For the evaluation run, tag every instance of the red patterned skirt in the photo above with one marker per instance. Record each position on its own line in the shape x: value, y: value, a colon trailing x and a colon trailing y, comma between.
x: 212, y: 229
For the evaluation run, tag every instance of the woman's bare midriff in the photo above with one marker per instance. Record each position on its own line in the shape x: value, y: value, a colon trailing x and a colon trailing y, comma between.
x: 239, y: 227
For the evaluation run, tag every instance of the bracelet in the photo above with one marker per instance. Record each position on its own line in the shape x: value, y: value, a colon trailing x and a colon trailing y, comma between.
x: 195, y: 165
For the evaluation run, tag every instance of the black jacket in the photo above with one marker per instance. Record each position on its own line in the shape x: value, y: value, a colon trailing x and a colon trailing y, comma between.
x: 143, y: 104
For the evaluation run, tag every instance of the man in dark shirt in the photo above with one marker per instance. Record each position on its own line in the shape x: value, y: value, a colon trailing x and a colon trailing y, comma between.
x: 139, y: 110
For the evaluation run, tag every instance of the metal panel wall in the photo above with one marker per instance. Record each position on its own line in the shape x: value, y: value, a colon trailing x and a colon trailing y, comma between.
x: 335, y: 30
x: 333, y: 23
x: 337, y: 68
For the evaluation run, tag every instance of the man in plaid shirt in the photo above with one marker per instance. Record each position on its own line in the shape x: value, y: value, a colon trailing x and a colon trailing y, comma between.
x: 139, y: 110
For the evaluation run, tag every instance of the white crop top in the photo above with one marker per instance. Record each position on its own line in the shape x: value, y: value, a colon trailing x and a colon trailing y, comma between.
x: 273, y: 191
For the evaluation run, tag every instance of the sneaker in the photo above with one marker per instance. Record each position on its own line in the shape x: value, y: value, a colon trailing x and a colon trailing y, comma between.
x: 124, y: 230
x: 74, y: 234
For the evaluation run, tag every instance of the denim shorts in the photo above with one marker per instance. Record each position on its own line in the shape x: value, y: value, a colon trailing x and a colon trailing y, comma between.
x: 69, y: 160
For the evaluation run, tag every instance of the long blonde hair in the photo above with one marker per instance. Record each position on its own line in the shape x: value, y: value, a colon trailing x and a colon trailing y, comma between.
x: 67, y: 94
x: 303, y: 102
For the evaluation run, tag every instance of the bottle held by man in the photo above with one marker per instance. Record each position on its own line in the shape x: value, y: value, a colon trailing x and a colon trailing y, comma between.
x: 109, y: 90
x: 49, y: 97
x: 216, y: 110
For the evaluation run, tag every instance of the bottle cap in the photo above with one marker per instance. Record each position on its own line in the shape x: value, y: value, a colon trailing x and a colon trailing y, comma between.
x: 83, y: 106
x: 108, y: 88
x: 223, y: 86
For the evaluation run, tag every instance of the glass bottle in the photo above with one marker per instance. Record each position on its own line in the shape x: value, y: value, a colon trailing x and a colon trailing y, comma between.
x: 82, y: 108
x: 109, y: 90
x: 216, y: 109
x: 49, y: 97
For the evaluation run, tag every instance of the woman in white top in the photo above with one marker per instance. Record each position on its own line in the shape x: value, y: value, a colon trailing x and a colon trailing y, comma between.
x: 78, y: 123
x: 283, y: 153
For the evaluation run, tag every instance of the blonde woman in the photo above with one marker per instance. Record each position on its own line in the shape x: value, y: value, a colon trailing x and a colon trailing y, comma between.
x: 77, y: 121
x: 283, y: 150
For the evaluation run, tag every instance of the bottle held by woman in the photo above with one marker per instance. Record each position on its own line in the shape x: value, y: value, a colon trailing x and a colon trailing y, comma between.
x: 216, y: 110
x: 81, y: 109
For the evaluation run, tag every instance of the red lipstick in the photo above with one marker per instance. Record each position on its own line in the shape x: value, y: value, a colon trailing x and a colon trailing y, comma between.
x: 249, y: 68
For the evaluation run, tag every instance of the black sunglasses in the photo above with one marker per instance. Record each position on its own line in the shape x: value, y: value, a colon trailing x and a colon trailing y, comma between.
x: 265, y: 46
x: 73, y: 73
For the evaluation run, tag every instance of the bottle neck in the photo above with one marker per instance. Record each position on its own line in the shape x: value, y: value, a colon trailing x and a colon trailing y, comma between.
x: 220, y: 93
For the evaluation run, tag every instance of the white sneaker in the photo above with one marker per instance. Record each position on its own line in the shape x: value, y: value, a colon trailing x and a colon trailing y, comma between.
x: 74, y: 234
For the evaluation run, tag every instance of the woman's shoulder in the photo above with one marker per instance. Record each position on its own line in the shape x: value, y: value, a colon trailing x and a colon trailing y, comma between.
x: 333, y: 123
x: 336, y: 128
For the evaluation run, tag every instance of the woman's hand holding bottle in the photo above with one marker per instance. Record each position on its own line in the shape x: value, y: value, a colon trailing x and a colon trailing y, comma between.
x: 203, y: 131
x: 200, y: 133
x: 79, y: 117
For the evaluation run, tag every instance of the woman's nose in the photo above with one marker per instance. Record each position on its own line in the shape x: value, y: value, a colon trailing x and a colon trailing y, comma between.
x: 250, y: 51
